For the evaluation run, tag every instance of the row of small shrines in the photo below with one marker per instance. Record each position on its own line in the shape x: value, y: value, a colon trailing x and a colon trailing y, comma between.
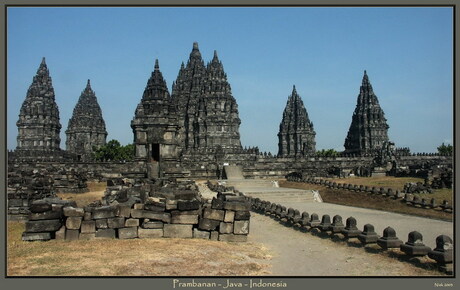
x: 200, y: 113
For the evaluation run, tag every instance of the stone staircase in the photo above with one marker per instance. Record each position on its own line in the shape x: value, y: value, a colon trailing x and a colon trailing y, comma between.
x: 269, y: 190
x: 233, y: 172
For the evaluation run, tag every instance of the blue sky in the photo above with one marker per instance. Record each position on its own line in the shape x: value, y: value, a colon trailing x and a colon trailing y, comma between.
x: 407, y: 53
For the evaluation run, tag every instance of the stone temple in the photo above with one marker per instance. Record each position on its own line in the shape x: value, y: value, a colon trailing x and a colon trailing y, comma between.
x: 369, y: 129
x: 86, y: 129
x: 38, y: 124
x: 296, y: 135
x: 207, y: 112
x: 193, y: 132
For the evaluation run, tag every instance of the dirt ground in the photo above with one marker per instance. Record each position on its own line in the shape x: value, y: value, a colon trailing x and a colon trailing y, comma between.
x: 272, y: 250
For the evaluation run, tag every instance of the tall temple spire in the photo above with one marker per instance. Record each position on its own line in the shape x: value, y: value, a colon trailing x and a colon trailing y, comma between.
x: 296, y: 135
x: 86, y: 127
x: 368, y: 129
x: 38, y: 123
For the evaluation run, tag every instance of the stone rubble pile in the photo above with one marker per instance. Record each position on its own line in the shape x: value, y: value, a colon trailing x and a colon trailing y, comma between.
x: 137, y: 212
x: 24, y: 187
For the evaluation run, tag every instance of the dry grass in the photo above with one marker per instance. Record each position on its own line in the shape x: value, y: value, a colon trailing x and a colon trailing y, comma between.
x: 365, y: 200
x: 396, y: 183
x: 137, y: 257
x: 96, y: 193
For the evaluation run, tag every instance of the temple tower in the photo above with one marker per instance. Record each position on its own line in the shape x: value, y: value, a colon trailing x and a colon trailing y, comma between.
x: 207, y: 111
x: 218, y: 122
x: 296, y: 135
x: 369, y: 129
x: 186, y: 92
x: 155, y: 126
x: 86, y: 128
x: 38, y: 124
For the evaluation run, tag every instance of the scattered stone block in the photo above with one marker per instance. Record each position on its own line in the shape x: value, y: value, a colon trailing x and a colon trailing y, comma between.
x: 155, y: 207
x: 214, y: 214
x: 105, y: 233
x: 242, y: 215
x: 87, y: 236
x: 36, y: 206
x: 72, y: 235
x: 233, y: 238
x: 73, y: 222
x: 101, y: 224
x: 217, y: 203
x: 208, y: 225
x: 124, y: 211
x: 214, y: 236
x: 88, y: 227
x: 150, y: 233
x: 105, y: 212
x: 184, y: 219
x: 60, y: 234
x: 131, y: 223
x: 188, y: 204
x: 43, y: 226
x: 178, y: 231
x: 139, y: 206
x: 237, y: 206
x: 127, y: 233
x: 147, y: 224
x: 225, y: 228
x: 87, y: 216
x: 73, y: 212
x: 47, y: 215
x: 197, y: 234
x: 116, y: 222
x: 241, y: 227
x: 171, y: 204
x: 229, y: 216
x: 36, y: 236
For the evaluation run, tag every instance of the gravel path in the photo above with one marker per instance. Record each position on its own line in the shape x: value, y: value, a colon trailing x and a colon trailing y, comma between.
x: 297, y: 253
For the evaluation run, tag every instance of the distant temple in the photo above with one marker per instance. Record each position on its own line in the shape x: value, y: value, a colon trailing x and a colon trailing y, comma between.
x: 368, y: 131
x: 38, y: 124
x: 193, y: 132
x: 86, y: 129
x: 296, y: 135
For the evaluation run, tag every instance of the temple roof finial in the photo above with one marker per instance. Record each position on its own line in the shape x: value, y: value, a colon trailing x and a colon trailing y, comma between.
x: 157, y: 66
x: 365, y: 79
x: 88, y: 84
x: 43, y: 61
x: 195, y: 45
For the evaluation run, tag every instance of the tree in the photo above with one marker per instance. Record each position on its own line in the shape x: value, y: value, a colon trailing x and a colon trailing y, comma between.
x: 445, y: 149
x: 114, y: 151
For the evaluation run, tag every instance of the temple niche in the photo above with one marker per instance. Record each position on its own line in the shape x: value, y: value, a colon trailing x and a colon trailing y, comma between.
x: 38, y: 124
x: 86, y: 129
x: 368, y: 131
x: 155, y: 124
x: 296, y: 135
